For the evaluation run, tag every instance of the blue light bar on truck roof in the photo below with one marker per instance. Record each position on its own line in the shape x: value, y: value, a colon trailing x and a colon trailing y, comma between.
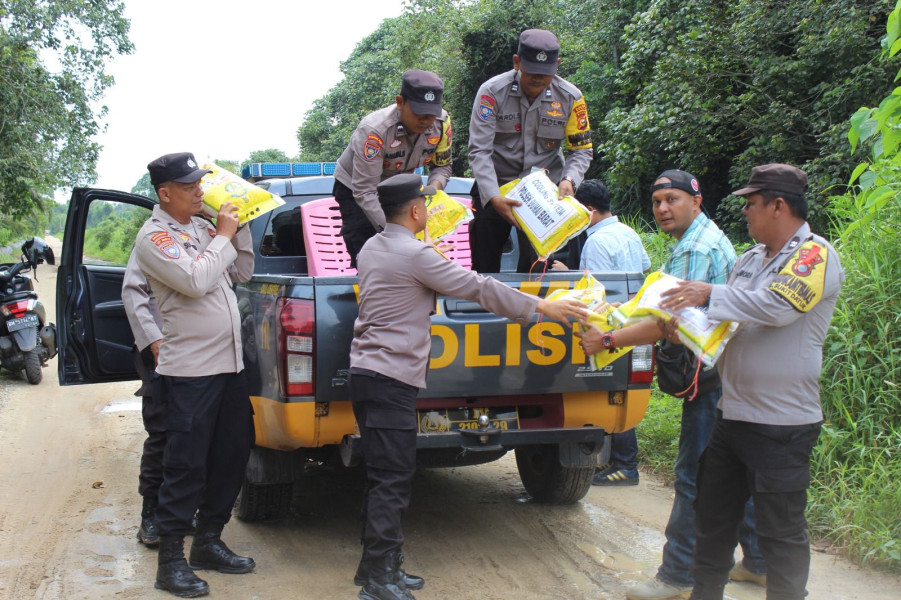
x: 257, y: 171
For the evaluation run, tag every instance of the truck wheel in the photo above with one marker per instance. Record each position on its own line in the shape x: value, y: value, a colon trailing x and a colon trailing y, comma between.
x: 262, y: 501
x: 546, y: 480
x: 33, y: 366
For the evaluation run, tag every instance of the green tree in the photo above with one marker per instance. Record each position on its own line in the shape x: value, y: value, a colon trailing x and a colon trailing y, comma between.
x: 52, y: 79
x: 372, y: 77
x: 143, y: 187
x: 716, y: 88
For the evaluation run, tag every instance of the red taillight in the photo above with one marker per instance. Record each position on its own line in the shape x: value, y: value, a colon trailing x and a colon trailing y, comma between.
x: 295, y: 335
x: 19, y: 307
x: 641, y: 364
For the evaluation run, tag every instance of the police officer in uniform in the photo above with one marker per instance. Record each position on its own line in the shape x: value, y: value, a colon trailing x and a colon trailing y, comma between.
x: 209, y: 420
x: 399, y: 279
x: 783, y: 293
x: 399, y: 138
x: 520, y: 121
x: 146, y: 326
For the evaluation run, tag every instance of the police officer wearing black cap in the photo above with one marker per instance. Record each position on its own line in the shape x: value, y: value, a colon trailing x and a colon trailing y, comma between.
x: 520, y: 121
x: 413, y: 132
x: 191, y: 268
x: 400, y: 277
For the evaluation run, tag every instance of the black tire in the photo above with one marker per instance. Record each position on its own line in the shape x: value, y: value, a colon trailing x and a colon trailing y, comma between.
x: 546, y: 480
x: 263, y: 501
x: 33, y: 371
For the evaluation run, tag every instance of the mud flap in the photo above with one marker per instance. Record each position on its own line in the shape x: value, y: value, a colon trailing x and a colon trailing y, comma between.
x: 26, y: 338
x: 575, y: 455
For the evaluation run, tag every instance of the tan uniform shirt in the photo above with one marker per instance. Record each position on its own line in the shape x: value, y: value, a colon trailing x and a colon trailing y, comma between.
x: 140, y: 305
x: 399, y: 277
x: 191, y: 271
x: 771, y: 367
x: 380, y: 148
x: 508, y: 135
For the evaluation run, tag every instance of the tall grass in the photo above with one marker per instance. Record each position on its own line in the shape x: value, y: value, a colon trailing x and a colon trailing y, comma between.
x: 855, y: 499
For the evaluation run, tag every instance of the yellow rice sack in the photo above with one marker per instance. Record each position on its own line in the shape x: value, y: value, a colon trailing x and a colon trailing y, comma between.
x: 591, y: 292
x: 705, y: 337
x: 445, y: 216
x: 547, y: 220
x: 222, y: 186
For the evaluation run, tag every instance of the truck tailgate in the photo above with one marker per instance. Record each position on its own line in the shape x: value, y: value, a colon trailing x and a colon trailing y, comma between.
x: 474, y: 352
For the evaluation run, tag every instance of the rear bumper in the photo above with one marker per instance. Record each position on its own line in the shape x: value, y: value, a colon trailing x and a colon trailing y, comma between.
x: 493, y: 440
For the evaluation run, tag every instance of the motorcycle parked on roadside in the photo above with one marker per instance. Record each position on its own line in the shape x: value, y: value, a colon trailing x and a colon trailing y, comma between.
x: 27, y: 341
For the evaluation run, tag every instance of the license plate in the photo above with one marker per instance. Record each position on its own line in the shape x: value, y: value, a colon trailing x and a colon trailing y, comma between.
x: 454, y: 419
x: 24, y: 322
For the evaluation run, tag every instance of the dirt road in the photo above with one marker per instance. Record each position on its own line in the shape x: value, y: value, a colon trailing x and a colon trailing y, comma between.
x: 69, y: 512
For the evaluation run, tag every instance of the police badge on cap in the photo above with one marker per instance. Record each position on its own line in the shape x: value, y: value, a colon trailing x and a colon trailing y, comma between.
x: 424, y: 91
x: 180, y: 167
x: 402, y: 188
x: 538, y: 52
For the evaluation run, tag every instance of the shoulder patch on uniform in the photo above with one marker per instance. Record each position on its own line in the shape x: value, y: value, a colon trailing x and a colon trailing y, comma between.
x: 578, y: 132
x: 802, y: 279
x: 372, y: 146
x: 166, y: 244
x: 487, y: 106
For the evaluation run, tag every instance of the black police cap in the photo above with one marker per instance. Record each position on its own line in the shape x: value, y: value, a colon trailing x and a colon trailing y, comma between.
x: 538, y: 52
x: 402, y: 188
x: 424, y: 91
x: 180, y: 167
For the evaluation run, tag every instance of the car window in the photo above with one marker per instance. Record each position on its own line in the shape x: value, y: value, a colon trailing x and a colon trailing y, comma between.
x: 110, y: 232
x: 284, y: 234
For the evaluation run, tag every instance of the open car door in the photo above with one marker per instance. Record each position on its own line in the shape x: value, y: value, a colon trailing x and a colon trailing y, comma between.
x: 95, y: 339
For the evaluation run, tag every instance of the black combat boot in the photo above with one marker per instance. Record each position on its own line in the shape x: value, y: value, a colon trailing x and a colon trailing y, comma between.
x: 411, y: 581
x: 384, y: 581
x: 148, y: 532
x: 707, y: 591
x: 209, y: 552
x: 173, y: 574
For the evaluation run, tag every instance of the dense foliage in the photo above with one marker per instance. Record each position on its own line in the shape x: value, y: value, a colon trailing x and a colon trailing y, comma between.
x: 707, y: 86
x: 52, y: 77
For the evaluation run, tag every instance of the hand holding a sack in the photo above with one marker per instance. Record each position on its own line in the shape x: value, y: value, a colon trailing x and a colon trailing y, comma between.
x: 227, y: 220
x: 686, y: 293
x: 563, y: 309
x: 566, y: 188
x: 504, y: 207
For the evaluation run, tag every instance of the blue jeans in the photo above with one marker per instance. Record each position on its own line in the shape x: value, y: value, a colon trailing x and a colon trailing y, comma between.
x: 624, y: 452
x: 698, y: 419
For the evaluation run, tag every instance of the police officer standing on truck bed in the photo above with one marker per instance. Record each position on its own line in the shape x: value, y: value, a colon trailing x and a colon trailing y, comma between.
x: 519, y: 121
x: 400, y: 277
x: 209, y: 420
x: 146, y: 326
x: 399, y: 138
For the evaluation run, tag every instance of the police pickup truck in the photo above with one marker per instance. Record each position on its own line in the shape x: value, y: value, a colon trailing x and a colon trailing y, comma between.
x: 493, y: 385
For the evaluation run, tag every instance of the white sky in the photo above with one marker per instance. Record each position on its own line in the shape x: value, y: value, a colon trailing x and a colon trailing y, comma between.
x: 224, y: 78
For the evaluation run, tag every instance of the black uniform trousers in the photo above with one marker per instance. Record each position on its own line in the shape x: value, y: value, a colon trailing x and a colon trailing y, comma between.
x: 385, y: 410
x: 771, y: 463
x: 209, y: 433
x: 488, y: 232
x: 153, y: 413
x: 355, y: 226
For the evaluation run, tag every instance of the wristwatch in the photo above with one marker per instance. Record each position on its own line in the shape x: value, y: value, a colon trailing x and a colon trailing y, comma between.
x: 569, y: 179
x: 608, y: 342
